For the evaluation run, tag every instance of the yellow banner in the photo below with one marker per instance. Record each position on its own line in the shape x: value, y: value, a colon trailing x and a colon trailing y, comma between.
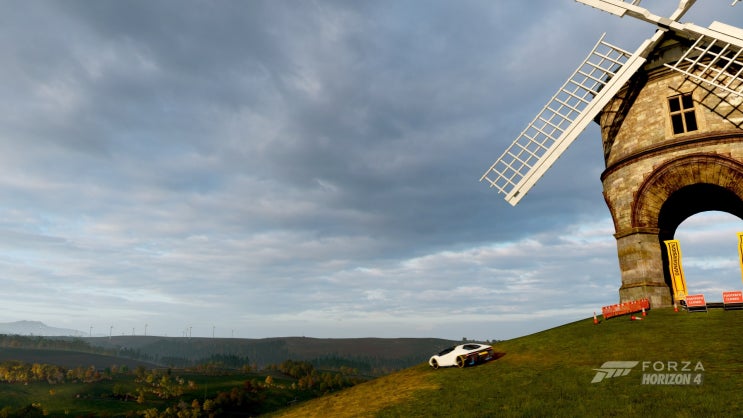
x: 677, y: 272
x: 740, y: 251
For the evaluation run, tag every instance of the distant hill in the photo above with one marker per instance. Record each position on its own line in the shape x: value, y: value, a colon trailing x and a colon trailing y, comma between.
x: 369, y: 355
x: 36, y: 328
x: 68, y: 359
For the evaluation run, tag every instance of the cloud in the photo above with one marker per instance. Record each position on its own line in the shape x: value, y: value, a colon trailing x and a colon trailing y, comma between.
x: 307, y: 168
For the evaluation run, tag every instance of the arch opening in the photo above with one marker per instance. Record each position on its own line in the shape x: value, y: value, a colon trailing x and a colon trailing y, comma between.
x: 714, y: 206
x: 709, y: 247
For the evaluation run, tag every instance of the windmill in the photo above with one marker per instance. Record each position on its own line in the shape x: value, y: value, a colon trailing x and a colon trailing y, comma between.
x: 714, y: 59
x: 671, y: 116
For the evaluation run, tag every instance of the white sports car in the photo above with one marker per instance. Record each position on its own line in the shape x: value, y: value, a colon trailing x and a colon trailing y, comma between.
x: 462, y: 355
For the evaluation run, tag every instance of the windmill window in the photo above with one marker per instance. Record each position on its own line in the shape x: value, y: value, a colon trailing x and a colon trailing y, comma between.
x: 683, y: 118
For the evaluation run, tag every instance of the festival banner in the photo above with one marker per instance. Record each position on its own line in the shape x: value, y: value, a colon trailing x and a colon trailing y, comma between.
x: 677, y: 272
x: 740, y: 251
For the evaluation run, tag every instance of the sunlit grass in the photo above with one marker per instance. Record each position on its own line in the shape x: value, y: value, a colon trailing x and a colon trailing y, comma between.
x: 368, y: 398
x: 550, y: 373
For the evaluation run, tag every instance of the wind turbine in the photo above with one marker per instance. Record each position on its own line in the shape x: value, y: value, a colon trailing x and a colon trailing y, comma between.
x: 714, y: 59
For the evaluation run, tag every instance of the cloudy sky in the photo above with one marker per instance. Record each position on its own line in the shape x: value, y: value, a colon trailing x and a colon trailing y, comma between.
x: 275, y: 168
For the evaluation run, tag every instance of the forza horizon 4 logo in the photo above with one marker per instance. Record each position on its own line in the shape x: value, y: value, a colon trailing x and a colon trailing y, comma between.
x: 654, y: 372
x: 613, y: 369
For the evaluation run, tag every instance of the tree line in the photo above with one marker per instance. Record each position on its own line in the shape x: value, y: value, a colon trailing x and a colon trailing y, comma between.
x: 15, y: 371
x: 301, y: 380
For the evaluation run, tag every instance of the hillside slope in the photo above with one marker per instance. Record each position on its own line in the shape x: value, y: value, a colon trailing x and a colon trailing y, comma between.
x: 550, y: 374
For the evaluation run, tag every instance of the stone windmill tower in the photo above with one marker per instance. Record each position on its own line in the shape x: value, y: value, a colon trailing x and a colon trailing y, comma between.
x: 671, y: 117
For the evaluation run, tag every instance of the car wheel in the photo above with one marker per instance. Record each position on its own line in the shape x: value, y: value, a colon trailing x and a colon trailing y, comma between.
x: 434, y: 364
x: 460, y: 361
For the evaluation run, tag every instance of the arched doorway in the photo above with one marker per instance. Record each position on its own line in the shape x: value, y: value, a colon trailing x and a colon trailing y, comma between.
x: 684, y: 203
x: 709, y: 247
x: 674, y: 191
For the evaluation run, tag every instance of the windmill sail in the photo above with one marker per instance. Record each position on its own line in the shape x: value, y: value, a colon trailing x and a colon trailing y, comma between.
x: 715, y: 58
x: 623, y: 8
x: 606, y: 69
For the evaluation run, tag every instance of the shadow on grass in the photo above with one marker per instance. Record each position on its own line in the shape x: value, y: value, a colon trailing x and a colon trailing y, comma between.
x: 496, y: 356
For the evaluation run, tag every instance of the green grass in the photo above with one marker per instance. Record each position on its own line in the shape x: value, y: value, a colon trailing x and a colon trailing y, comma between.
x: 550, y: 373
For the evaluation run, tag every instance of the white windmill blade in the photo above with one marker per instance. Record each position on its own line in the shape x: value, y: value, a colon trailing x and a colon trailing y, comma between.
x: 715, y: 58
x: 717, y: 30
x: 601, y: 75
x: 622, y: 8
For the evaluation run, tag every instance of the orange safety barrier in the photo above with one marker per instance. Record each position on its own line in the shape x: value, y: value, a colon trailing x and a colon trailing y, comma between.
x: 732, y: 299
x: 625, y: 308
x: 695, y: 303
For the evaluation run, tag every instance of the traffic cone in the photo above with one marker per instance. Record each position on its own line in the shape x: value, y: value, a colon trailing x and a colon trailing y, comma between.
x: 675, y: 307
x: 635, y: 318
x: 595, y: 320
x: 643, y: 312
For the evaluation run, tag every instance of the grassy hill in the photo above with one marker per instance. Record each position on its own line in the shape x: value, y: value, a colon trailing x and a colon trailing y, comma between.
x: 550, y: 374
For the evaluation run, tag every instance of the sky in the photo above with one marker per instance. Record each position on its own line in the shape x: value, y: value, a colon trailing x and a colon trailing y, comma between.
x: 308, y: 168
